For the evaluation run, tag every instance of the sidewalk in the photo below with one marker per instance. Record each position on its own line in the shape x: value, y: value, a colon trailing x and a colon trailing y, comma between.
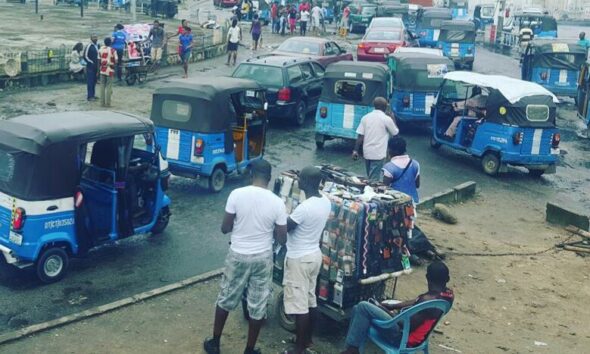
x: 518, y: 303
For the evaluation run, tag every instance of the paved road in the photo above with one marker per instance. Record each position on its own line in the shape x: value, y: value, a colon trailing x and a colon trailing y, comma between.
x: 192, y: 244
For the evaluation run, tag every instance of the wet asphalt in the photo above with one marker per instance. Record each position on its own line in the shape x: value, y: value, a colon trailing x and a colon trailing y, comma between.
x: 193, y: 244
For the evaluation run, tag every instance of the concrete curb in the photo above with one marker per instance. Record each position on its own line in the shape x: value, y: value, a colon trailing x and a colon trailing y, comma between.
x: 559, y: 215
x: 99, y: 310
x: 459, y: 193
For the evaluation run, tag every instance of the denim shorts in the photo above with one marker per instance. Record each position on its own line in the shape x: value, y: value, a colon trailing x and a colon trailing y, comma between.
x: 246, y: 271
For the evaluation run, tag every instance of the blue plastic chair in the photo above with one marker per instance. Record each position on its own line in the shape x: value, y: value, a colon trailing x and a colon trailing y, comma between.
x: 404, y: 318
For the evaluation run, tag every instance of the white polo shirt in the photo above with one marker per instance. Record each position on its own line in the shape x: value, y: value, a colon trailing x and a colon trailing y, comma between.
x: 311, y: 217
x: 376, y: 127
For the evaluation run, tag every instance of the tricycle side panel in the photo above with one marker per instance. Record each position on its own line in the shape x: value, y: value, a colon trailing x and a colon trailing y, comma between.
x: 341, y: 121
x: 418, y: 109
x: 559, y: 81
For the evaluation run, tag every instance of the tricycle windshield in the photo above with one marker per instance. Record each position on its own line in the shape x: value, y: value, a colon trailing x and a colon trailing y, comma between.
x: 422, y: 80
x: 252, y: 99
x: 455, y: 90
x: 264, y: 75
x: 487, y: 12
x: 350, y: 90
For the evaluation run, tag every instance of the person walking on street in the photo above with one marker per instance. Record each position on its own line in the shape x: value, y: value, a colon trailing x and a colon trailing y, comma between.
x: 304, y: 257
x: 234, y: 36
x: 316, y: 19
x: 108, y: 62
x: 303, y: 20
x: 119, y: 41
x: 253, y: 215
x: 92, y: 66
x: 274, y: 15
x: 158, y: 37
x: 373, y: 132
x: 186, y: 49
x: 292, y: 19
x: 401, y: 173
x: 583, y: 41
x: 256, y: 31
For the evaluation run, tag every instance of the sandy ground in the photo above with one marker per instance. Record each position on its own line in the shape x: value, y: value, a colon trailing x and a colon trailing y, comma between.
x: 504, y: 304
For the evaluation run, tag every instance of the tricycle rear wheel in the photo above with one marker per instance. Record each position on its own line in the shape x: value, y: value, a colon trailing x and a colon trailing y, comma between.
x: 217, y: 180
x: 490, y: 163
x: 433, y: 143
x: 52, y: 265
x: 162, y: 222
x: 536, y: 173
x: 286, y: 321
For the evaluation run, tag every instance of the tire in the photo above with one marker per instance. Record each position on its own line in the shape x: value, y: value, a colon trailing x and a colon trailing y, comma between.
x: 285, y: 321
x: 470, y: 66
x: 162, y: 221
x: 433, y: 143
x: 490, y: 163
x: 131, y: 79
x: 300, y: 113
x: 319, y: 145
x: 536, y: 173
x: 319, y: 141
x: 52, y: 265
x: 217, y: 180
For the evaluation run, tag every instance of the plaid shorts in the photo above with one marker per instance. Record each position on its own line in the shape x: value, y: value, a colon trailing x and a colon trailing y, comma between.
x: 251, y: 271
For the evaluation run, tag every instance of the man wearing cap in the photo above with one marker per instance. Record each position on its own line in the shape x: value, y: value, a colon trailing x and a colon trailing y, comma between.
x: 253, y: 215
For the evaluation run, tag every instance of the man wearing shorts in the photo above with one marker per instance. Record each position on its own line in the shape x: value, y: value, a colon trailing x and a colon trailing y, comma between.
x: 158, y: 37
x: 252, y: 215
x: 186, y: 48
x: 304, y: 258
x: 234, y: 36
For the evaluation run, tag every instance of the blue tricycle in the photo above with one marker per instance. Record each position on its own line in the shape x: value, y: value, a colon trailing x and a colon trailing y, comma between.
x: 457, y: 41
x: 210, y: 127
x: 76, y: 180
x: 428, y: 25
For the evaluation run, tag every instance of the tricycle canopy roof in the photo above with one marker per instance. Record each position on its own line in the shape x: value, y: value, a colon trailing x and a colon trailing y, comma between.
x: 512, y: 89
x: 373, y: 77
x: 458, y: 25
x: 556, y: 54
x: 209, y: 99
x: 34, y: 133
x: 553, y: 46
x: 419, y: 72
x: 457, y: 3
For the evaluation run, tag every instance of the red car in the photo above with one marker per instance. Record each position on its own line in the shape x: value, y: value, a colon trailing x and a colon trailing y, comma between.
x: 319, y: 49
x: 225, y: 3
x: 378, y: 43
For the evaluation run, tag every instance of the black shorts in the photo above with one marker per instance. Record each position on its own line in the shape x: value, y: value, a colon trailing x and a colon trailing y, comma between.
x: 255, y: 37
x: 232, y: 46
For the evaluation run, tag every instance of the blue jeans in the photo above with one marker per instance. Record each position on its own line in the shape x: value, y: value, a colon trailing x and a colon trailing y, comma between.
x: 374, y: 168
x: 362, y: 315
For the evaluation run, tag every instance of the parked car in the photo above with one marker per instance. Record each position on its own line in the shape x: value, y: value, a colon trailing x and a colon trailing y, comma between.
x: 294, y: 84
x: 321, y: 50
x: 386, y: 22
x: 361, y: 16
x: 378, y: 43
x: 225, y: 3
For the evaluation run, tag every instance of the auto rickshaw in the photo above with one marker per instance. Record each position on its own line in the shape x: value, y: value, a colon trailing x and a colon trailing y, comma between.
x: 428, y: 25
x: 547, y: 28
x: 459, y: 8
x: 416, y: 79
x: 501, y: 120
x: 75, y: 180
x: 348, y: 91
x: 554, y: 65
x: 210, y: 127
x: 457, y: 41
x: 583, y: 97
x: 360, y: 17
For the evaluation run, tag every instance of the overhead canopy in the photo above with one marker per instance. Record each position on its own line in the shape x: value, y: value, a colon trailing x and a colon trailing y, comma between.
x: 458, y: 25
x: 548, y: 23
x: 202, y: 105
x: 34, y: 133
x: 349, y: 82
x: 419, y: 72
x: 557, y: 54
x: 512, y: 89
x: 433, y: 17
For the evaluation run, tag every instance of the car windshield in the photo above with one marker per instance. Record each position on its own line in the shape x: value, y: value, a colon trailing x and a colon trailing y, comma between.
x: 268, y: 76
x: 386, y: 22
x: 300, y: 47
x: 383, y: 36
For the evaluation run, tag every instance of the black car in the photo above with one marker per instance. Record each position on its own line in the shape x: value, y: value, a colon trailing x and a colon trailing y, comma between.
x: 294, y: 84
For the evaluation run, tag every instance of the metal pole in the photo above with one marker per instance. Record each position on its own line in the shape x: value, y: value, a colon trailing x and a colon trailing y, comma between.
x: 82, y: 8
x: 133, y: 10
x: 36, y: 6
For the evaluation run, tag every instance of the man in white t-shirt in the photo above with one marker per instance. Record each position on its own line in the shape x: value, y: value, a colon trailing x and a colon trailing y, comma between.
x: 374, y: 132
x: 316, y: 19
x: 253, y: 215
x: 304, y: 257
x: 303, y: 20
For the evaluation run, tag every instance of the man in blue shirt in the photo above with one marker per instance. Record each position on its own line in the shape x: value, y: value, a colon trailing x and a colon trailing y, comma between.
x: 119, y: 43
x: 186, y: 47
x: 583, y: 41
x: 401, y: 173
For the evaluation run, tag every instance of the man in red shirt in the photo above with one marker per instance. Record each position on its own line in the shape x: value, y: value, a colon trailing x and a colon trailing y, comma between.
x: 421, y: 324
x: 107, y: 57
x: 304, y: 6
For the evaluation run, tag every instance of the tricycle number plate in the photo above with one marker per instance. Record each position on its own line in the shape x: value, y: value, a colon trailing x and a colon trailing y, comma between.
x: 198, y: 159
x: 16, y: 238
x: 250, y: 93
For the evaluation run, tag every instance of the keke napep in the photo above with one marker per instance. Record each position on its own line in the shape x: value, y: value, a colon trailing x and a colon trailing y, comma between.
x: 75, y: 180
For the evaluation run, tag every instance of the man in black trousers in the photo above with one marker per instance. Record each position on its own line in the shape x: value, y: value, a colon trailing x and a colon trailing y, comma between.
x: 92, y: 65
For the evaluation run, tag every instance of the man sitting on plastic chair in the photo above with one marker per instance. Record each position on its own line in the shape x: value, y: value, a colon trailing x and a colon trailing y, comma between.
x: 421, y: 323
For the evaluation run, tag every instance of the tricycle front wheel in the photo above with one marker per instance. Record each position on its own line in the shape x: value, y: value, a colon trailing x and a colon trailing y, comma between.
x: 162, y: 222
x: 52, y: 265
x: 286, y: 321
x: 217, y: 180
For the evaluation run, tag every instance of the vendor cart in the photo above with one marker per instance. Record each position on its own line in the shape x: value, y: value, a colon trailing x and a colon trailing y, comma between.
x: 137, y: 63
x: 363, y: 245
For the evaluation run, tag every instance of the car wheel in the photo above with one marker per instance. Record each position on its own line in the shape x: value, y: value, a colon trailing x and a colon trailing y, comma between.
x: 300, y: 113
x: 490, y: 163
x: 52, y: 265
x: 162, y: 222
x: 319, y: 141
x: 536, y: 173
x: 285, y: 321
x: 217, y: 180
x: 131, y: 79
x: 433, y: 143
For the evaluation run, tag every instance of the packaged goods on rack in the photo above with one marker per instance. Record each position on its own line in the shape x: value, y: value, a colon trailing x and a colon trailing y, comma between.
x: 366, y: 234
